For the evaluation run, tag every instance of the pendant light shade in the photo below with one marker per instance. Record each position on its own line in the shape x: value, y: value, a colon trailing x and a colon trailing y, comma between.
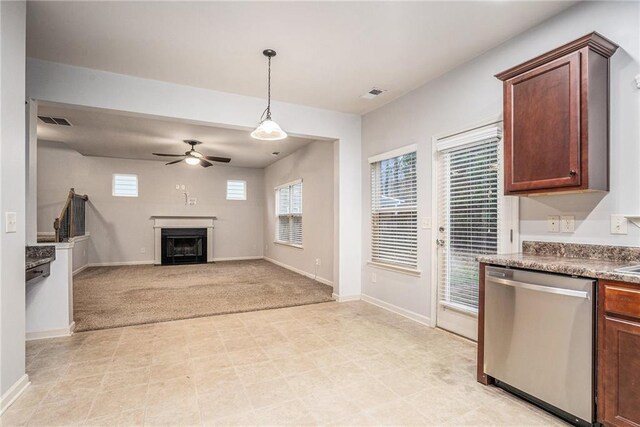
x: 268, y: 130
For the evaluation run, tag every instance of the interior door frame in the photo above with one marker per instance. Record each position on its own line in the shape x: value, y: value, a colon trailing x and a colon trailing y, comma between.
x: 515, y: 238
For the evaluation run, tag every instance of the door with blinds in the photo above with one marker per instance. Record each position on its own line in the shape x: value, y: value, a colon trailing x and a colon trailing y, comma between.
x: 474, y: 217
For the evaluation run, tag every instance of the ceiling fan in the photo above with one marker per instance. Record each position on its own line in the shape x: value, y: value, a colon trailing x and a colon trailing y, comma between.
x: 193, y: 157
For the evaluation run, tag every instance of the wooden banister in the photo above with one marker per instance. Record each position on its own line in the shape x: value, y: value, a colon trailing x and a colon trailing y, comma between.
x: 68, y: 210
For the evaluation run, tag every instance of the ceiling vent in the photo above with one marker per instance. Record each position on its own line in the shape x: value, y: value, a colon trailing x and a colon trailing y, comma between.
x: 55, y: 121
x: 374, y: 92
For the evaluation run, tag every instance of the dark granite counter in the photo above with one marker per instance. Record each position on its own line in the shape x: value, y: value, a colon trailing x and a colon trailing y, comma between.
x: 39, y: 255
x: 593, y: 261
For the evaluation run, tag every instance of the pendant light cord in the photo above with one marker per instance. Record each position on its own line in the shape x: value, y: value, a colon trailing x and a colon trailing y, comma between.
x: 269, y: 91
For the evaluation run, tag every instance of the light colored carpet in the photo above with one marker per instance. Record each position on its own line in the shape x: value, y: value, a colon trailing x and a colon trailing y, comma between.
x: 109, y: 297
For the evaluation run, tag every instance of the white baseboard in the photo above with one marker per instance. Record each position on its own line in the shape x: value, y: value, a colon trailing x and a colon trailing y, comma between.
x: 346, y: 298
x: 54, y: 333
x: 398, y: 310
x: 84, y: 267
x: 119, y: 263
x: 14, y: 392
x: 238, y: 258
x: 149, y: 262
x: 304, y: 273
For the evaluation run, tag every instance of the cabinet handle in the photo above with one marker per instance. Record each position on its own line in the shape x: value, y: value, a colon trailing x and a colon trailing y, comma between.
x: 572, y: 172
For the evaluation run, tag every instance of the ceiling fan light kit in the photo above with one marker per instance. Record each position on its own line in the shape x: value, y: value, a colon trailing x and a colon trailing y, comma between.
x: 268, y: 130
x: 193, y: 157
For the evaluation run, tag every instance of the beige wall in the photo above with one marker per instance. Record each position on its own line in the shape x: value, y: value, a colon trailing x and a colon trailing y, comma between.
x: 120, y: 226
x: 314, y: 164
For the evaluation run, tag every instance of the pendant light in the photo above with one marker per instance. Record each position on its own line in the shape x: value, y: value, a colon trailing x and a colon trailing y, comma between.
x: 268, y: 130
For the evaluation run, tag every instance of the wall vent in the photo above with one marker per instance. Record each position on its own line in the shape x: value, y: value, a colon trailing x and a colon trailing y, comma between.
x: 373, y: 93
x: 55, y: 121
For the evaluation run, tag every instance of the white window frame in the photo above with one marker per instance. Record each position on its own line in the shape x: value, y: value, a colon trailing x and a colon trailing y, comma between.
x: 113, y: 185
x: 378, y: 158
x: 277, y: 214
x: 508, y: 243
x: 244, y: 189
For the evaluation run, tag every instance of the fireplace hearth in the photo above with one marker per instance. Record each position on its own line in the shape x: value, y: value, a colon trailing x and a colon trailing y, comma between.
x: 184, y: 246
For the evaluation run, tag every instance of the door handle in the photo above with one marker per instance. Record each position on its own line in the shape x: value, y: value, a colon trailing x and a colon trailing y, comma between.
x: 539, y: 288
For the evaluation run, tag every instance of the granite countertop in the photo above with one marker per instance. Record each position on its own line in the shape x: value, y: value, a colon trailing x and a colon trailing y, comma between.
x: 39, y: 255
x: 593, y: 261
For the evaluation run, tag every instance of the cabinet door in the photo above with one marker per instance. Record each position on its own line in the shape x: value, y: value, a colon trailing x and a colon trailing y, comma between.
x: 542, y: 127
x: 622, y: 372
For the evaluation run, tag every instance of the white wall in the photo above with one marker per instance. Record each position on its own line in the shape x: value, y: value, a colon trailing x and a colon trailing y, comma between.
x: 121, y: 227
x: 49, y: 302
x: 313, y: 164
x: 47, y: 81
x: 80, y: 253
x: 469, y: 95
x: 12, y: 199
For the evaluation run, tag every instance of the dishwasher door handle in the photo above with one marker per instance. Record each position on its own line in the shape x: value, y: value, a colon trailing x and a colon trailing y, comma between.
x: 539, y: 288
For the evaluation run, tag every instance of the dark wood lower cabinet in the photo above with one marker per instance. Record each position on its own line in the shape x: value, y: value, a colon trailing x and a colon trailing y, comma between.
x: 619, y: 354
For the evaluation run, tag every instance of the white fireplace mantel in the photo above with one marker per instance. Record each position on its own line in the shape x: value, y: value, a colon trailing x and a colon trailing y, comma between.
x: 181, y: 221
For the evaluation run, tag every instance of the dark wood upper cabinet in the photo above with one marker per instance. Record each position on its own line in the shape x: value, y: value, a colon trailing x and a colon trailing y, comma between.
x: 556, y: 119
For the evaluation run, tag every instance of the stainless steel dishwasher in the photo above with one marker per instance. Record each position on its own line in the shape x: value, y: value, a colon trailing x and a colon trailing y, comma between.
x: 538, y: 339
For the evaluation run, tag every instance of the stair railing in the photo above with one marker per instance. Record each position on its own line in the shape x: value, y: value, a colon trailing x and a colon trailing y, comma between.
x: 71, y: 221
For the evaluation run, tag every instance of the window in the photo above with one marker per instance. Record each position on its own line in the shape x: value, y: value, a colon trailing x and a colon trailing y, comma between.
x: 236, y: 190
x: 289, y: 213
x: 125, y: 185
x: 394, y: 209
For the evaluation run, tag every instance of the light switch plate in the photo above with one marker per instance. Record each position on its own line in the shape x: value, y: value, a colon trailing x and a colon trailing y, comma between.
x: 553, y: 223
x: 619, y: 224
x: 374, y: 278
x: 11, y: 220
x: 426, y: 222
x: 567, y: 223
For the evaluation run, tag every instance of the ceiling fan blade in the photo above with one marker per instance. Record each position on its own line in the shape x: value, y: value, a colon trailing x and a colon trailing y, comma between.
x: 205, y: 164
x: 175, y: 161
x: 168, y: 155
x: 218, y: 159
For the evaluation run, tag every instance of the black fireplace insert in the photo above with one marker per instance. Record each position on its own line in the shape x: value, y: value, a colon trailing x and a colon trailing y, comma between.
x: 184, y: 246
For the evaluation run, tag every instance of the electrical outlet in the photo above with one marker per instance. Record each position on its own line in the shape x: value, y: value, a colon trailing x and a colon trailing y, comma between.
x: 143, y: 250
x: 567, y: 223
x: 553, y: 223
x: 177, y: 186
x: 619, y: 224
x: 374, y: 278
x: 192, y: 201
x: 182, y: 187
x: 317, y: 261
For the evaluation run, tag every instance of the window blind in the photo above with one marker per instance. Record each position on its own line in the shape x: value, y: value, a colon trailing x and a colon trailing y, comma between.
x: 236, y: 190
x: 469, y: 205
x: 125, y: 185
x: 289, y: 213
x: 394, y: 211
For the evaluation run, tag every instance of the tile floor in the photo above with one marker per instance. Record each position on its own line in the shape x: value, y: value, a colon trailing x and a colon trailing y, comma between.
x: 324, y: 364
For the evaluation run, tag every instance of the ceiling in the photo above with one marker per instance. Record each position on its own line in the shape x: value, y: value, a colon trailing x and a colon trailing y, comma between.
x: 104, y: 133
x: 329, y: 53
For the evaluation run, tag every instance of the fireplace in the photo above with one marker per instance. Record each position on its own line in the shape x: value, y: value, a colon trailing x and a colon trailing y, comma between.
x: 184, y: 246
